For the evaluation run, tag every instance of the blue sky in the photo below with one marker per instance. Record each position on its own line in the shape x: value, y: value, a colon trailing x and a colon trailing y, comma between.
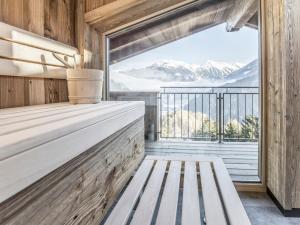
x: 213, y: 44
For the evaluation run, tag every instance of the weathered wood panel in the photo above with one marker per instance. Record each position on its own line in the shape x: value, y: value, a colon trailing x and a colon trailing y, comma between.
x: 11, y: 91
x: 151, y: 107
x: 136, y: 13
x: 281, y: 70
x: 25, y: 14
x: 54, y: 19
x: 93, y: 4
x: 20, y: 91
x: 182, y: 23
x: 34, y: 91
x: 81, y: 191
x: 59, y: 20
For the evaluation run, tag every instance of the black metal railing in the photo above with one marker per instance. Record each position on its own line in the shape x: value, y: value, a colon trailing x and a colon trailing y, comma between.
x: 210, y: 113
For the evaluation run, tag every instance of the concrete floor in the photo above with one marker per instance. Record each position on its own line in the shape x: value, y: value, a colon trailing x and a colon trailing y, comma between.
x: 262, y: 211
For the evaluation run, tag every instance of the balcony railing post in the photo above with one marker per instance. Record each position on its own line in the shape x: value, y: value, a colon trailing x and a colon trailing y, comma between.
x: 220, y: 117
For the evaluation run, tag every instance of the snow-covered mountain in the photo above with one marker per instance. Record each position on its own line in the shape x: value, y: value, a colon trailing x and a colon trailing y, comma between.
x: 216, y: 70
x: 176, y: 73
x: 245, y: 76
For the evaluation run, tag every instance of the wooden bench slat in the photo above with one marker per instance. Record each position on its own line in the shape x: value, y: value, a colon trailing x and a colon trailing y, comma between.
x: 145, y: 210
x: 213, y: 208
x: 62, y: 114
x: 234, y: 208
x: 123, y: 208
x: 19, y: 111
x: 168, y: 206
x: 190, y: 205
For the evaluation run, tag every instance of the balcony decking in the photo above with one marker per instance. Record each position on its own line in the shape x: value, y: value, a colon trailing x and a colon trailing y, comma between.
x: 241, y: 159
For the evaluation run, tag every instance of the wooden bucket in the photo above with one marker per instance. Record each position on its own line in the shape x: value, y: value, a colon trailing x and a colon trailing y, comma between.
x: 84, y: 85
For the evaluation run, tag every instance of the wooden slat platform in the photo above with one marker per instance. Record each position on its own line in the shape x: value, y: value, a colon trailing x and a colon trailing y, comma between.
x: 241, y: 159
x: 163, y: 179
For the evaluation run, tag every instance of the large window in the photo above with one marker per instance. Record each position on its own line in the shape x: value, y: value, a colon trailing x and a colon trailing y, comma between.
x: 208, y: 85
x: 212, y: 57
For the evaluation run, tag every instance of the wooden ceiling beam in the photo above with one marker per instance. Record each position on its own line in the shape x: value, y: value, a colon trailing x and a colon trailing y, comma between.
x: 112, y: 9
x: 166, y: 31
x: 242, y: 12
x: 117, y: 14
x: 253, y: 22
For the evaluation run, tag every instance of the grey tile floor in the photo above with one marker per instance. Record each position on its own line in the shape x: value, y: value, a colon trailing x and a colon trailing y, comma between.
x: 262, y: 211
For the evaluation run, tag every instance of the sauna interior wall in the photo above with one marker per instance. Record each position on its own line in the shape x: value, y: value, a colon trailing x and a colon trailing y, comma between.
x: 55, y: 19
x: 281, y: 46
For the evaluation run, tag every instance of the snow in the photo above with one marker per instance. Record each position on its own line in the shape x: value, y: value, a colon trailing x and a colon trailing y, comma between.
x: 177, y: 73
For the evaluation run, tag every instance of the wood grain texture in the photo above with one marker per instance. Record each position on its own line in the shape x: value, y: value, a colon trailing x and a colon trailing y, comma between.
x: 123, y: 208
x: 82, y: 190
x: 145, y: 210
x: 241, y: 13
x: 54, y: 19
x: 25, y: 14
x: 185, y: 22
x: 34, y: 91
x: 11, y: 91
x: 93, y: 4
x: 168, y: 206
x: 60, y: 20
x: 190, y: 202
x: 136, y: 12
x: 114, y: 8
x: 282, y: 57
x: 20, y: 91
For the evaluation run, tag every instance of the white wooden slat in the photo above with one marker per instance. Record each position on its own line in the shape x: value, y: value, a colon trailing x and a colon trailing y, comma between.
x: 190, y: 204
x: 34, y: 115
x: 233, y: 206
x: 214, y: 212
x: 56, y: 108
x: 61, y: 115
x: 20, y: 141
x: 19, y: 111
x: 124, y: 207
x: 145, y: 210
x: 168, y: 206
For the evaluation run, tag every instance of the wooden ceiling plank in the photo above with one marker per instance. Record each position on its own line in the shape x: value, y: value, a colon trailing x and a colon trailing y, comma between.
x: 112, y: 9
x: 241, y: 13
x: 140, y: 13
x: 134, y: 43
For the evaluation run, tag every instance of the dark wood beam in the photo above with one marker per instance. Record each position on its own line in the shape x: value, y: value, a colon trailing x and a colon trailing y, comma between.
x: 241, y: 13
x: 253, y: 22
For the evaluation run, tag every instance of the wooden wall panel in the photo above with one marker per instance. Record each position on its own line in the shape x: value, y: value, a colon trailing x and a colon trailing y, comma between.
x: 81, y: 191
x: 59, y: 20
x: 11, y: 91
x: 54, y: 19
x: 20, y: 91
x: 281, y: 29
x: 51, y: 91
x: 25, y: 14
x: 34, y: 91
x: 292, y: 62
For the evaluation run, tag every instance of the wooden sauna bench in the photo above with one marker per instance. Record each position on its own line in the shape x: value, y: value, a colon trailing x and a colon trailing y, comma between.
x: 65, y: 164
x: 157, y: 185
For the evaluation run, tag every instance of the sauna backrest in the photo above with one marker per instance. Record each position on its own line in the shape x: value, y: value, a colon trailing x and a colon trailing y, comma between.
x: 35, y: 51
